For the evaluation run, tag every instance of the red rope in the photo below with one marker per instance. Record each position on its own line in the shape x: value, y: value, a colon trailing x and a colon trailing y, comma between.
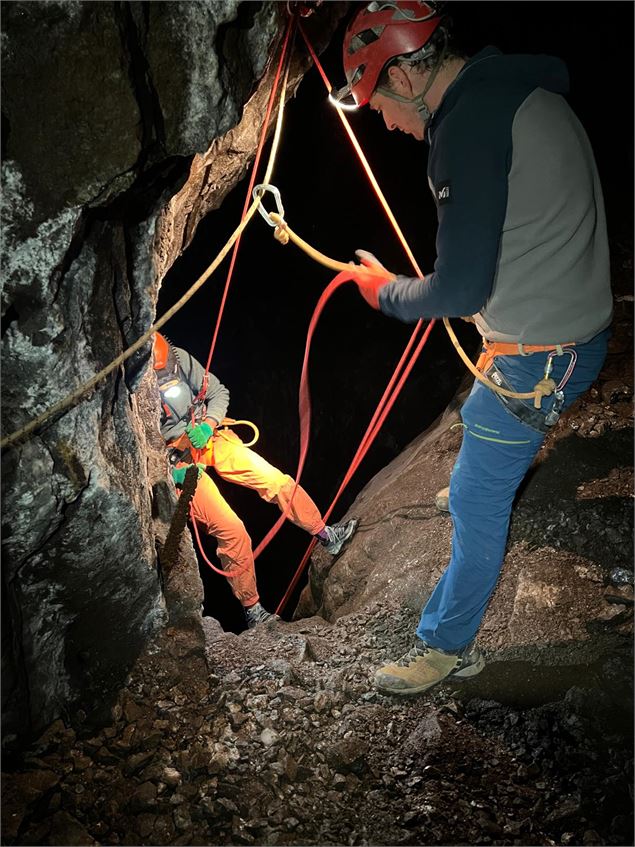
x: 364, y: 161
x: 391, y: 392
x: 385, y: 405
x: 304, y: 403
x: 235, y: 572
x: 252, y: 182
x: 396, y: 382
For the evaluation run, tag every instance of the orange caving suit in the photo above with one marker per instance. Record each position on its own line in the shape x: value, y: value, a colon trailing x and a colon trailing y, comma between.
x: 233, y: 462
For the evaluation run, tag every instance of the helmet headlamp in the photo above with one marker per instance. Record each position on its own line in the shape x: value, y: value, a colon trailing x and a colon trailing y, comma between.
x: 343, y: 99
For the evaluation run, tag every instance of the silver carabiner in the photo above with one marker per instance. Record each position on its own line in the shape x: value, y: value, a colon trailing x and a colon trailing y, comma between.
x: 553, y: 415
x: 258, y: 193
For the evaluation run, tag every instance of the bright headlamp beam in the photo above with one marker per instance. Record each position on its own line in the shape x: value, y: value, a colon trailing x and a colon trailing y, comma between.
x: 172, y: 391
x: 339, y: 104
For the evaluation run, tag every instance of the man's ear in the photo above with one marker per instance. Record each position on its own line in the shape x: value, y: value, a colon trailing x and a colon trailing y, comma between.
x: 400, y: 80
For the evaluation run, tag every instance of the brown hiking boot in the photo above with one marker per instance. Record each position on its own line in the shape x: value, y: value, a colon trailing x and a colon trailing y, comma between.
x: 423, y: 666
x: 442, y: 500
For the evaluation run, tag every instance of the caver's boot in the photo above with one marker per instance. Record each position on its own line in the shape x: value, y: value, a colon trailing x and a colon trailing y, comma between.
x: 257, y: 614
x: 338, y: 536
x: 424, y: 666
x: 442, y: 499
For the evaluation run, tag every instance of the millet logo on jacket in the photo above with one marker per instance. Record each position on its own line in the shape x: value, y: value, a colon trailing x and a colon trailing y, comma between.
x: 442, y: 192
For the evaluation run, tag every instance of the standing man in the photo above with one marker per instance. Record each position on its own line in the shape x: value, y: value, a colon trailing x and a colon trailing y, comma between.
x: 190, y: 427
x: 521, y: 247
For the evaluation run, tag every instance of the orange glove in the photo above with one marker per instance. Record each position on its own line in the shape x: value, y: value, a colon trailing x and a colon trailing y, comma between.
x: 370, y: 276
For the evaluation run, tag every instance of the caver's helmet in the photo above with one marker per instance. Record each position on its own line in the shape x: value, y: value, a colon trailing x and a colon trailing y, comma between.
x: 161, y: 350
x: 381, y: 31
x: 166, y: 366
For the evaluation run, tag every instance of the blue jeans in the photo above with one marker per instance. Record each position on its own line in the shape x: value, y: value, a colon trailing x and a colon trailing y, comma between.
x: 495, y: 455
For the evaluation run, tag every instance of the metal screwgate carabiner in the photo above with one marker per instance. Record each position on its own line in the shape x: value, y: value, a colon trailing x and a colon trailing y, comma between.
x: 258, y: 193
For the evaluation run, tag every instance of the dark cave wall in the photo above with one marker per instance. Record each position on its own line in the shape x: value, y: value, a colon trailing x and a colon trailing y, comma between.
x: 104, y: 107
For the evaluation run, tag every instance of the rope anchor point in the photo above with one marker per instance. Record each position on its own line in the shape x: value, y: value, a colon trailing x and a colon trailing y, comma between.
x: 258, y: 194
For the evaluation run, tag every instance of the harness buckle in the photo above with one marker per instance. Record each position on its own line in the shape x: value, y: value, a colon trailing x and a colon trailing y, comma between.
x: 258, y: 194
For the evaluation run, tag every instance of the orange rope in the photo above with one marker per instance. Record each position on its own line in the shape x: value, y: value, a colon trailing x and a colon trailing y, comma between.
x: 364, y: 160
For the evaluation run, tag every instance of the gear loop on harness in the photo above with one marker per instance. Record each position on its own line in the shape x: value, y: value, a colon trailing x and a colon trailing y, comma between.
x: 226, y: 423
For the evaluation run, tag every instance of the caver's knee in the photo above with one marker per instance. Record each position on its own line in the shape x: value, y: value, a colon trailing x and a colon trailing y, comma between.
x: 231, y: 533
x: 279, y: 485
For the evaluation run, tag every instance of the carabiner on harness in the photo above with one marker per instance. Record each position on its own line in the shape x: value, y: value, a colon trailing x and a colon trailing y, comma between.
x: 554, y: 413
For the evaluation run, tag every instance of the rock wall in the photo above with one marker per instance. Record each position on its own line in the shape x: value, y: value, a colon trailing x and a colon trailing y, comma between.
x: 109, y: 110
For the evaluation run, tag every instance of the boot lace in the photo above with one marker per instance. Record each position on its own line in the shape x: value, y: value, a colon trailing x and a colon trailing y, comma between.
x: 257, y: 615
x: 337, y: 532
x: 412, y: 655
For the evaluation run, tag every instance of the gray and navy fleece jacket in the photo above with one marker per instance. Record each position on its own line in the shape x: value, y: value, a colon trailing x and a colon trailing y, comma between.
x: 175, y: 409
x: 521, y: 243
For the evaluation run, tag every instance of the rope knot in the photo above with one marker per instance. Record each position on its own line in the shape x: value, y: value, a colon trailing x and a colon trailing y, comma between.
x: 543, y: 389
x: 281, y: 235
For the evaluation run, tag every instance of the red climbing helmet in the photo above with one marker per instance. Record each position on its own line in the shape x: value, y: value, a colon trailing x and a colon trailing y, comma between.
x: 381, y: 31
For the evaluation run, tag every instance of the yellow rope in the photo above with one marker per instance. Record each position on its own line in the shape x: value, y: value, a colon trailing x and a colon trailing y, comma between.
x: 84, y: 388
x: 544, y: 388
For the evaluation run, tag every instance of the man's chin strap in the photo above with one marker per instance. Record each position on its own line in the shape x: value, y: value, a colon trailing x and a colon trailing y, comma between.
x: 418, y: 101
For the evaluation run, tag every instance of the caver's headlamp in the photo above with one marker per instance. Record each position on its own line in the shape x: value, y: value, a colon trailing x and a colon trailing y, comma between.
x: 170, y: 388
x: 342, y: 98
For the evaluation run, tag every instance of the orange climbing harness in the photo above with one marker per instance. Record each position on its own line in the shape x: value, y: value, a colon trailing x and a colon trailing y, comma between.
x: 500, y: 348
x: 283, y: 233
x: 401, y: 373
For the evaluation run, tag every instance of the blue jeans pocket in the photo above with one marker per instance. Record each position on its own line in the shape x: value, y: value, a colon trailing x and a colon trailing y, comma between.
x: 510, y: 376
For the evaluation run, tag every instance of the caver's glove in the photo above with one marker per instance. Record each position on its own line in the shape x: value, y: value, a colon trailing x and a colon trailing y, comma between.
x: 199, y: 434
x: 370, y: 277
x: 178, y: 474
